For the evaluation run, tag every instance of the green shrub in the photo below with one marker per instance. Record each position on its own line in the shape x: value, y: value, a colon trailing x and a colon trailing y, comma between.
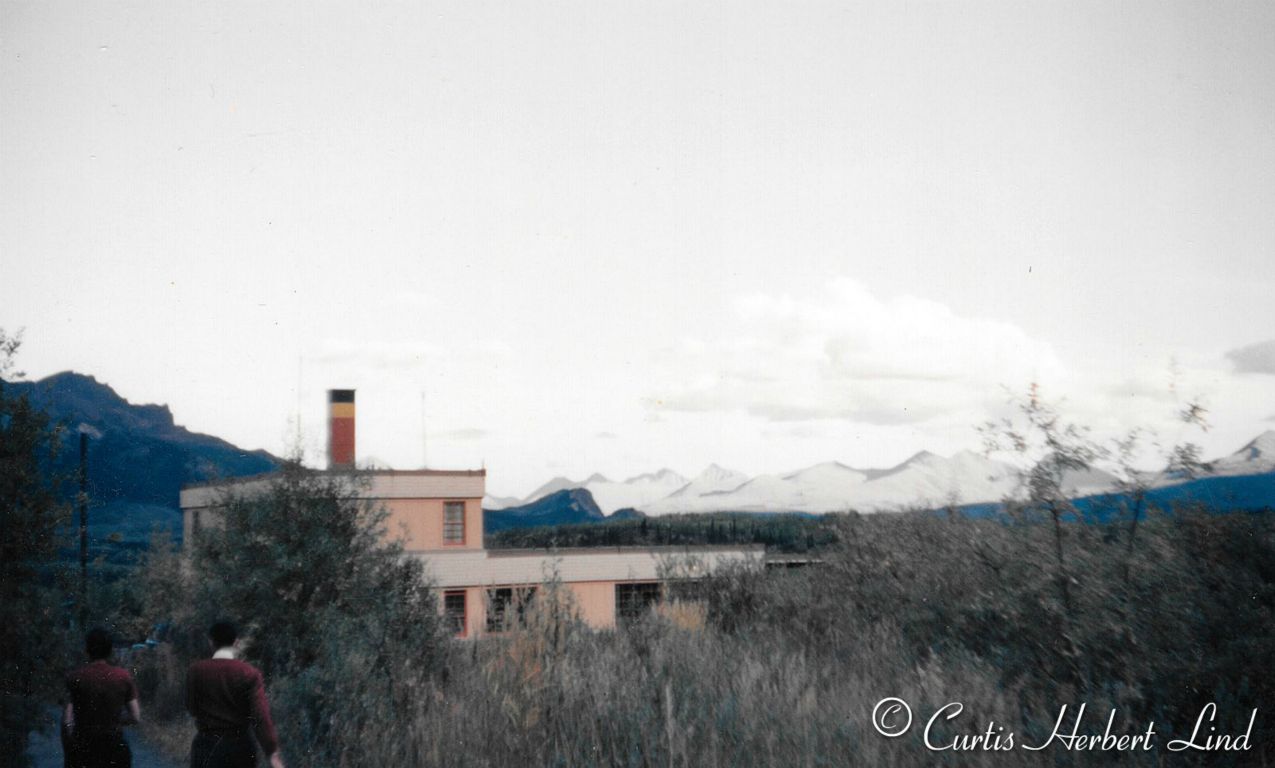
x: 345, y: 630
x: 780, y: 667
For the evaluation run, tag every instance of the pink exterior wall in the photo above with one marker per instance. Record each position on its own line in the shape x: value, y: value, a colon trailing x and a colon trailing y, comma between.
x: 595, y: 600
x: 420, y: 523
x: 414, y: 498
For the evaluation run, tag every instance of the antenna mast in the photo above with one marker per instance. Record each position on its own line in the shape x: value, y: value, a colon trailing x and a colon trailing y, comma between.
x: 297, y: 447
x: 424, y: 440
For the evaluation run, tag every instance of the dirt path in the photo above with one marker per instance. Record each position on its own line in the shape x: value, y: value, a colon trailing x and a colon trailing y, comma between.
x: 45, y: 749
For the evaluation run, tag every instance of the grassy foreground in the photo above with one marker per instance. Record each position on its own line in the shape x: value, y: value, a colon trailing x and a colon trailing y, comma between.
x: 785, y: 668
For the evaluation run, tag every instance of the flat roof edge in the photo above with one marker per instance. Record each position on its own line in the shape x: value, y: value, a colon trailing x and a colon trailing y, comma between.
x: 221, y: 483
x: 666, y: 549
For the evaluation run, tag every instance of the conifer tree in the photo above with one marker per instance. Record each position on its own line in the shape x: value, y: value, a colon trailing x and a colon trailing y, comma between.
x: 30, y: 605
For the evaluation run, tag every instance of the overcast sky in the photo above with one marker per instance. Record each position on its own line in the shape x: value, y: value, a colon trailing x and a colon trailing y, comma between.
x: 617, y: 236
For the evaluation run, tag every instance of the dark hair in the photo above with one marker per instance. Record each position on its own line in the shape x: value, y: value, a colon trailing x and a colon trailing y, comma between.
x: 98, y: 643
x: 223, y: 633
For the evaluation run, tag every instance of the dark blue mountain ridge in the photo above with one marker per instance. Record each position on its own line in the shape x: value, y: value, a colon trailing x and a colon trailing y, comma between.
x: 137, y: 456
x: 566, y: 507
x: 1232, y: 493
x: 627, y: 513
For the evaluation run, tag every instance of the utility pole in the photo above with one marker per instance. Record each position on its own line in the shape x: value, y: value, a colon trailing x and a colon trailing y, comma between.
x: 84, y: 529
x: 300, y: 377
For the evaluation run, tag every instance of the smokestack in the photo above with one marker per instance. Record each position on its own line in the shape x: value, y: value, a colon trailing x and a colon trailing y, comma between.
x: 340, y: 429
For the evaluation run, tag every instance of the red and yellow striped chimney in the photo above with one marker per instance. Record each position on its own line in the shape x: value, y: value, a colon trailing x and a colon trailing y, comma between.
x: 340, y: 429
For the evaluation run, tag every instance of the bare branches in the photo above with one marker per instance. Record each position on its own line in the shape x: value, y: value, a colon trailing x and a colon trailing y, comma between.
x: 1053, y: 451
x: 1194, y: 413
x: 8, y: 352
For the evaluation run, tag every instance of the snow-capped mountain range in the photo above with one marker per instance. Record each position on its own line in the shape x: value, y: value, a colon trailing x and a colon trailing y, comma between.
x: 610, y: 495
x: 924, y: 480
x: 1257, y: 457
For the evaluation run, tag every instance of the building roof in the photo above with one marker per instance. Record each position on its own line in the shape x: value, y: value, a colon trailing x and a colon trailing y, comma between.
x: 381, y: 484
x: 512, y: 567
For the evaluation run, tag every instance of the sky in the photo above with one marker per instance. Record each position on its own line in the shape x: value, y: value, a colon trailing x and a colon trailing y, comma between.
x: 560, y: 238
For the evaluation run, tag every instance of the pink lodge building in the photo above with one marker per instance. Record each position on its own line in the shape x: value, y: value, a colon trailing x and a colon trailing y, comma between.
x: 439, y: 514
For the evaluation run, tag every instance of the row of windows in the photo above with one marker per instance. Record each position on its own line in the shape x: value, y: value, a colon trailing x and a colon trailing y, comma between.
x: 453, y: 522
x: 507, y: 606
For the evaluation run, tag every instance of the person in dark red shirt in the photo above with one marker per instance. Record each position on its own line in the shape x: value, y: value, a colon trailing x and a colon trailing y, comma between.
x: 101, y: 699
x: 228, y: 700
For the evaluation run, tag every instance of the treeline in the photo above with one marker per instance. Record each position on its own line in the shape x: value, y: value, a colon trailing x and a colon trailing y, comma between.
x: 790, y: 533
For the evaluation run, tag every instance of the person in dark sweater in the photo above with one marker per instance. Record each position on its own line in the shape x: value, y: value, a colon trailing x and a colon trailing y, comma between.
x: 101, y: 699
x: 228, y: 701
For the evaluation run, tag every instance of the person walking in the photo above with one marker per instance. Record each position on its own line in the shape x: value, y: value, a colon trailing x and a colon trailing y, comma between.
x: 227, y: 698
x: 101, y: 699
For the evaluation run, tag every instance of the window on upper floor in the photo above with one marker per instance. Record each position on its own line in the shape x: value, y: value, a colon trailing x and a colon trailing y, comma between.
x: 454, y: 522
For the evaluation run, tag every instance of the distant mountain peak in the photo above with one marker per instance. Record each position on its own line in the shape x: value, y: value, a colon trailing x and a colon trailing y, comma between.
x: 924, y: 479
x: 713, y: 471
x: 824, y: 467
x: 1257, y: 455
x: 579, y: 499
x: 137, y: 453
x: 1261, y: 446
x: 95, y: 403
x: 72, y: 378
x: 634, y: 492
x: 499, y: 502
x: 562, y: 507
x: 663, y: 474
x: 553, y: 486
x: 921, y: 456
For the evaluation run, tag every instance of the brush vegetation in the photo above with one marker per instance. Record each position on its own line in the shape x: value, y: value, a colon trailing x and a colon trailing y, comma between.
x: 755, y: 667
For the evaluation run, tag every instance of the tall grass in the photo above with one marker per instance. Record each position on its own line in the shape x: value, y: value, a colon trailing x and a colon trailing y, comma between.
x: 784, y: 668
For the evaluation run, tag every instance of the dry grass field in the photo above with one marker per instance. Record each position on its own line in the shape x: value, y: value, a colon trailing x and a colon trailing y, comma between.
x: 786, y: 667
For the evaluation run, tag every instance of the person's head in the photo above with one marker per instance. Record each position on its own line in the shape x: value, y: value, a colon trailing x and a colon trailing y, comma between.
x: 98, y: 643
x: 223, y: 634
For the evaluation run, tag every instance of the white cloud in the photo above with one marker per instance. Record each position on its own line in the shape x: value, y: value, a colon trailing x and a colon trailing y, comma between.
x: 849, y: 354
x: 1255, y: 358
